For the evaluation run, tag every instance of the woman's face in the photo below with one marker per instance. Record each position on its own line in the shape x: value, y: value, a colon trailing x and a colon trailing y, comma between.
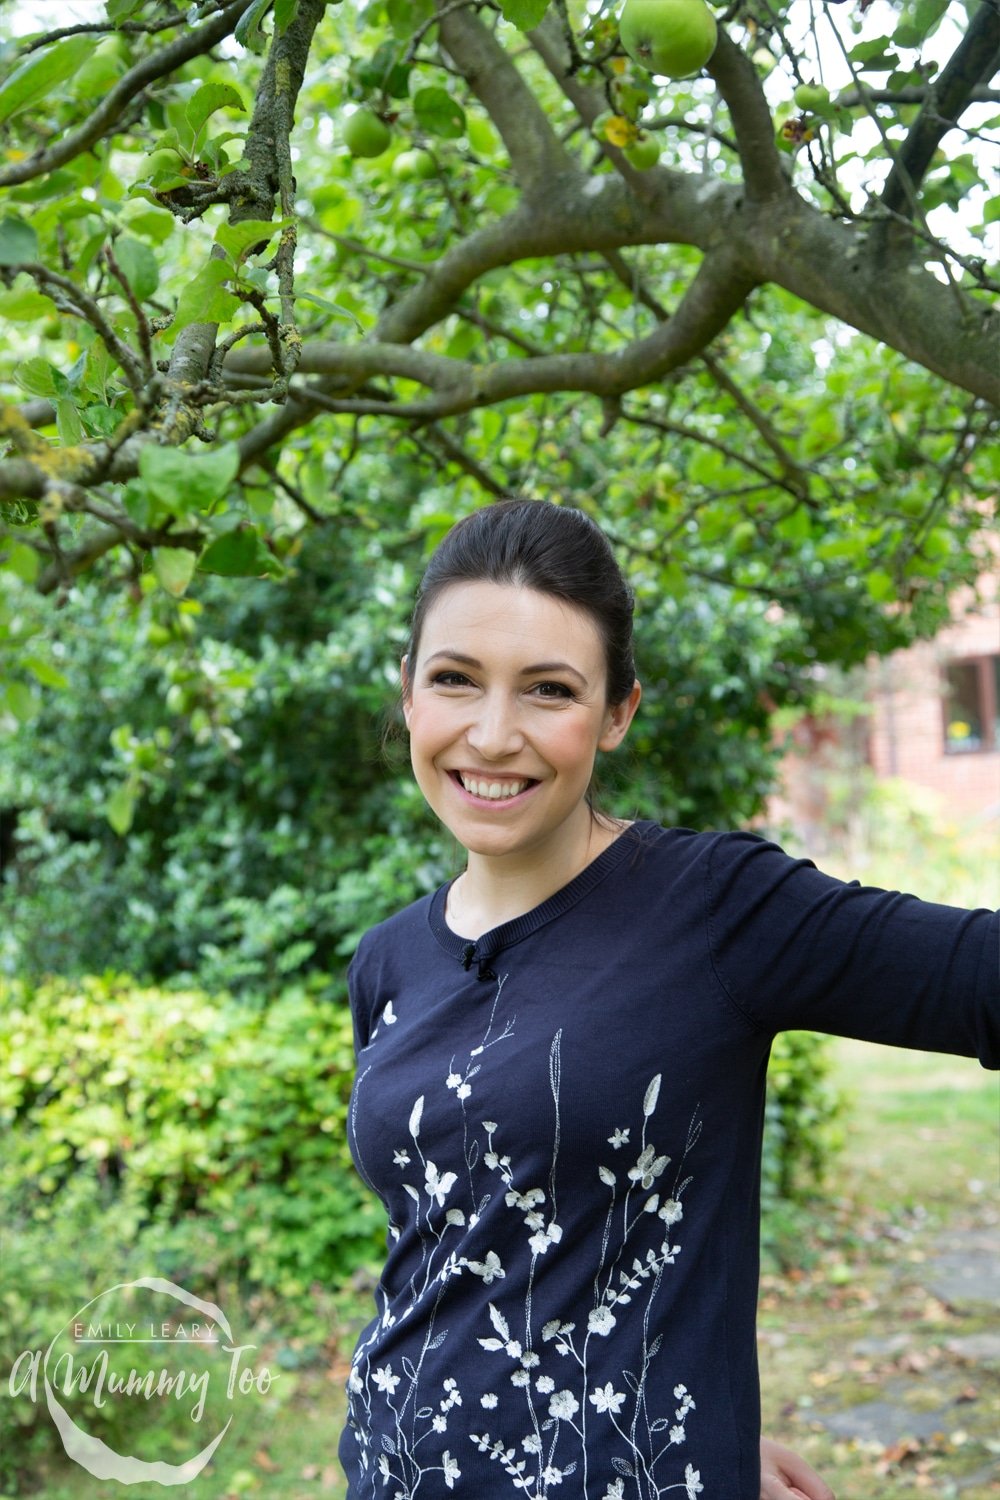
x: 506, y: 709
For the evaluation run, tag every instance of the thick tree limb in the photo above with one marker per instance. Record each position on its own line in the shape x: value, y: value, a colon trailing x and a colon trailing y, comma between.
x: 737, y: 81
x: 191, y: 44
x: 716, y: 292
x: 536, y: 153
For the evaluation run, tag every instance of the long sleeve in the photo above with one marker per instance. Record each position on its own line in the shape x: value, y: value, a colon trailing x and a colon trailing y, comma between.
x: 793, y: 948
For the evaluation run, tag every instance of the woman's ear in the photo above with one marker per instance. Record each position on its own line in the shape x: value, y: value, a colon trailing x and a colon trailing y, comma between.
x: 619, y: 718
x: 406, y: 689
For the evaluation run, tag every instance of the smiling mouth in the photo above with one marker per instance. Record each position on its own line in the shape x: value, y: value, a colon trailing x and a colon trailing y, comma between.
x: 490, y: 789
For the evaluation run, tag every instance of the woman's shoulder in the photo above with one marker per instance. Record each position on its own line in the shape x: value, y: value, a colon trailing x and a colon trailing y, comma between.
x: 396, y: 929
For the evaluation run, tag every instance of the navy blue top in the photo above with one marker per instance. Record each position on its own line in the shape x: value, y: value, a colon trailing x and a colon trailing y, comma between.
x: 563, y: 1121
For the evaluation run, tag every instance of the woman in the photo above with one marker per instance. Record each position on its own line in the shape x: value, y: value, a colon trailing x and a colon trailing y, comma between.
x: 561, y: 1065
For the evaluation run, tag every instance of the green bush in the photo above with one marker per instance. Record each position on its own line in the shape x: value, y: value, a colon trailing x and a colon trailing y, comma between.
x: 211, y: 1132
x: 802, y: 1135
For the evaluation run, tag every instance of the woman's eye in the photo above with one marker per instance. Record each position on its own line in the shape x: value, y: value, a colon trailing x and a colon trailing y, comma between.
x: 449, y: 679
x: 553, y: 690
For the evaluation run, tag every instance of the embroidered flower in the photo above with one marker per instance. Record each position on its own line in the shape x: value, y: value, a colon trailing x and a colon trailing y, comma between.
x: 438, y: 1186
x: 386, y: 1380
x: 524, y: 1200
x: 439, y: 1423
x: 489, y: 1269
x: 489, y: 1400
x: 520, y: 1377
x: 615, y: 1490
x: 401, y: 1158
x: 619, y: 1139
x: 564, y: 1406
x: 608, y: 1399
x: 671, y: 1211
x: 601, y: 1321
x: 552, y: 1476
x: 453, y: 1080
x: 648, y: 1167
x: 451, y: 1469
x: 692, y: 1477
x: 545, y: 1385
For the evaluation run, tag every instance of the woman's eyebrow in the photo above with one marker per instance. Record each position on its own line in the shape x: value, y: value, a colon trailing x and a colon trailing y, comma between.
x: 533, y: 670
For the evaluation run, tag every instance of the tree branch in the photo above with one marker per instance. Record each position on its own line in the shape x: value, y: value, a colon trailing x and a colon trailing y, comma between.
x: 536, y: 153
x: 737, y: 81
x: 716, y: 292
x: 190, y: 44
x: 974, y: 61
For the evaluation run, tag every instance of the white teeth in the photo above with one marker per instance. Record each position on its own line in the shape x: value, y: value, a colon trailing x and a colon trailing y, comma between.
x: 493, y: 791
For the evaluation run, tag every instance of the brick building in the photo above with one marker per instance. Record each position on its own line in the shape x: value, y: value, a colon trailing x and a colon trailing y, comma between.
x: 935, y: 717
x: 933, y: 721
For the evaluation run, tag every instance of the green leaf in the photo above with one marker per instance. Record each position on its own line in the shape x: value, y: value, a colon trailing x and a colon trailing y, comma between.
x: 205, y: 299
x: 120, y: 807
x: 18, y: 241
x: 22, y: 304
x: 334, y: 308
x: 284, y: 14
x: 121, y: 10
x: 36, y: 376
x: 209, y: 98
x: 238, y: 554
x: 68, y: 422
x: 880, y: 586
x: 42, y: 73
x: 21, y: 701
x: 874, y: 55
x: 919, y: 21
x: 45, y: 673
x: 23, y: 561
x: 139, y: 266
x: 248, y: 30
x: 237, y: 239
x: 407, y: 16
x: 439, y: 113
x: 524, y: 13
x: 383, y: 70
x: 174, y: 568
x: 184, y: 480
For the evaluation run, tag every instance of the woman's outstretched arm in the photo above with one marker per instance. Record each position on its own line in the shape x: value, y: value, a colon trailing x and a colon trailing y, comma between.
x: 786, y: 1476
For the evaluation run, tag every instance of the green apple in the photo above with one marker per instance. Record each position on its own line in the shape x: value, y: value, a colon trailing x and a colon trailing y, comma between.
x: 812, y: 98
x: 643, y: 153
x: 672, y: 37
x: 413, y: 165
x: 365, y: 134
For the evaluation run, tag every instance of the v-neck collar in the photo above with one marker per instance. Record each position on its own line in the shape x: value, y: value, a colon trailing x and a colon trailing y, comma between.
x: 486, y: 947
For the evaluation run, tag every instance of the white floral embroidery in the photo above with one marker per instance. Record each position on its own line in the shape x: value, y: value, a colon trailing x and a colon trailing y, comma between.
x: 541, y: 1391
x: 608, y: 1399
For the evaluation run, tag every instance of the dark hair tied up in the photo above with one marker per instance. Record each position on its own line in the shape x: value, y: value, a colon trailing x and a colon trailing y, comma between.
x: 538, y: 545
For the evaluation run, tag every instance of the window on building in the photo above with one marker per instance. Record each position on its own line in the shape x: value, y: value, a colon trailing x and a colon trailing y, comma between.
x: 972, y: 705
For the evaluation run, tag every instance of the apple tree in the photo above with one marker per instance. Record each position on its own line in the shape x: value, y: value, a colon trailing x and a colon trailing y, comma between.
x: 719, y: 273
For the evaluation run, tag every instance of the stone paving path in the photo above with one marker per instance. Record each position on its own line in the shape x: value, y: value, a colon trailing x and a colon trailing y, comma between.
x: 962, y: 1271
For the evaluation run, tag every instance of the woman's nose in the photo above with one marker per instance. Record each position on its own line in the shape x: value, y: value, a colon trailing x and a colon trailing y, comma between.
x: 495, y: 730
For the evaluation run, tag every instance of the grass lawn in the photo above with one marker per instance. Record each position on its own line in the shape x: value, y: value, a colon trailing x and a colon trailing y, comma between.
x: 858, y: 1325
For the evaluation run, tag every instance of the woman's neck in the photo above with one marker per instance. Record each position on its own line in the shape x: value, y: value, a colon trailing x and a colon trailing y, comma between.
x: 493, y: 890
